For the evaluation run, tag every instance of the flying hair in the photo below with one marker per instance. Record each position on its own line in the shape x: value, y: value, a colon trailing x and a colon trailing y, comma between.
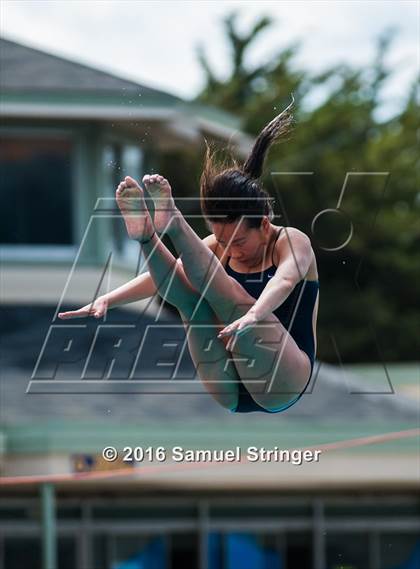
x: 229, y: 190
x: 275, y: 129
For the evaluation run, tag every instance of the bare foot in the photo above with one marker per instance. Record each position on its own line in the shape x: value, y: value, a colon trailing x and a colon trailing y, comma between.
x: 130, y: 200
x: 161, y: 194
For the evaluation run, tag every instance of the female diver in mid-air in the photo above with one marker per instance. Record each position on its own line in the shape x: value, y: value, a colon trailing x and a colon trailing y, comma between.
x: 247, y: 294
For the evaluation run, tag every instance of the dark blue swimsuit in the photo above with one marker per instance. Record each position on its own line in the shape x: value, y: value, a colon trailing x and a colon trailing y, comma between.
x: 301, y: 329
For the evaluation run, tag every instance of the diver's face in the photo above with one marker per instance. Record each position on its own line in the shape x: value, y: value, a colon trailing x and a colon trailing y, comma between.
x: 239, y: 241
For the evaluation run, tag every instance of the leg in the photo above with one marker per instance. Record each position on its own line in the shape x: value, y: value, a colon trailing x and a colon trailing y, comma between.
x: 168, y: 276
x: 269, y: 362
x: 203, y: 269
x: 280, y: 370
x: 207, y: 351
x: 211, y: 359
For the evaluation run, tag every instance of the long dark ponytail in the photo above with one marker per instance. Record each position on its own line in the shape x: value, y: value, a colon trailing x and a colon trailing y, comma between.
x: 230, y: 193
x: 272, y: 132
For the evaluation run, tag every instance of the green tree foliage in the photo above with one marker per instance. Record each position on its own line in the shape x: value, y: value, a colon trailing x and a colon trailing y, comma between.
x: 369, y: 286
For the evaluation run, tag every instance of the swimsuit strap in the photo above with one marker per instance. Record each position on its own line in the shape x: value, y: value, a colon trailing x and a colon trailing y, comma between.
x: 274, y: 244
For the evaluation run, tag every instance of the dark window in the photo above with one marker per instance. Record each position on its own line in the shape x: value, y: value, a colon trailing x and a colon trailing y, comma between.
x: 66, y: 555
x: 237, y: 549
x: 373, y: 510
x: 99, y: 552
x: 184, y: 551
x: 349, y: 550
x: 26, y: 552
x: 299, y: 550
x: 35, y: 191
x: 400, y: 550
x: 22, y: 552
x: 144, y: 513
x: 253, y: 511
x: 129, y: 551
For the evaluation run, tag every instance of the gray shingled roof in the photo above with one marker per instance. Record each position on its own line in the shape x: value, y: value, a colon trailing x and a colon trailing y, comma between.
x: 333, y: 395
x: 27, y: 69
x: 34, y: 82
x: 56, y: 425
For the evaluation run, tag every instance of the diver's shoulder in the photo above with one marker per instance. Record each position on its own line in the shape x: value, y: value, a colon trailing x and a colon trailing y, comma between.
x: 289, y: 234
x: 294, y: 232
x: 291, y: 238
x: 213, y: 245
x: 210, y: 241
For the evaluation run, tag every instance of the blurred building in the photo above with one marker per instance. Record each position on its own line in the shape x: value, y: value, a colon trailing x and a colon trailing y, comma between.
x: 356, y: 507
x: 68, y: 135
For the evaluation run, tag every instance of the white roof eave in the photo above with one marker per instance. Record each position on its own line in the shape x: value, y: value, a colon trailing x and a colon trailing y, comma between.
x: 174, y: 117
x: 99, y: 112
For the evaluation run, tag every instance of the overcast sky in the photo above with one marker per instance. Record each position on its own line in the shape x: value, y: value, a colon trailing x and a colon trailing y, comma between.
x: 154, y: 42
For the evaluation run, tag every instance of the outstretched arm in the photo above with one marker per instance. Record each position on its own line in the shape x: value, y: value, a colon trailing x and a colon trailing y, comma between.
x: 137, y: 289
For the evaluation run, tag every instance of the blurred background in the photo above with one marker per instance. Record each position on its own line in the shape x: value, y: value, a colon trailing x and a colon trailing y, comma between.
x: 94, y: 91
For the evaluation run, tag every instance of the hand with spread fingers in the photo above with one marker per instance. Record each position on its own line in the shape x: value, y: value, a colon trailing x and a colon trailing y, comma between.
x: 238, y: 328
x: 98, y: 308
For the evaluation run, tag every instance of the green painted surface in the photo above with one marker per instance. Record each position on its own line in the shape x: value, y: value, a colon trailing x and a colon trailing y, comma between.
x: 399, y: 374
x: 85, y: 437
x: 49, y: 531
x: 402, y: 379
